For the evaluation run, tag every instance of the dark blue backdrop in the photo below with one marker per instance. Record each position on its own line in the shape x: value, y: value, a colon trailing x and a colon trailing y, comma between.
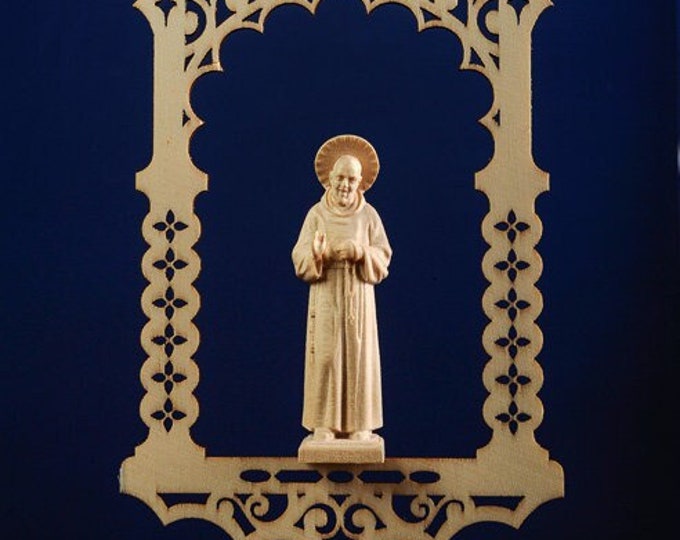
x: 77, y: 125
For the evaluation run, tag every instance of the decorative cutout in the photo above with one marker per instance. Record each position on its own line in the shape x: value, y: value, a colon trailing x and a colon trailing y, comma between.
x: 408, y: 497
x: 513, y: 417
x: 511, y: 226
x: 168, y: 377
x: 298, y: 477
x: 194, y: 21
x: 255, y: 476
x: 513, y: 305
x: 518, y: 6
x: 510, y: 503
x: 340, y: 477
x: 513, y: 342
x: 488, y: 18
x: 169, y: 303
x: 170, y: 264
x: 166, y: 7
x: 170, y: 226
x: 169, y: 340
x: 513, y: 380
x: 512, y: 265
x: 326, y: 509
x: 168, y: 415
x: 172, y: 499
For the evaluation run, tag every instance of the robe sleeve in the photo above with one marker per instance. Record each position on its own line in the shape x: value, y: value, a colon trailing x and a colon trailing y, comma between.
x: 373, y: 266
x: 307, y: 268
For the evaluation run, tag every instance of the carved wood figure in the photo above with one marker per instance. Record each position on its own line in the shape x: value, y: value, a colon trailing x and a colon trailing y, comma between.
x: 342, y: 251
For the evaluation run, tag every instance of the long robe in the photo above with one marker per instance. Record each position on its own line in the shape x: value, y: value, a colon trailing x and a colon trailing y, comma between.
x: 342, y: 358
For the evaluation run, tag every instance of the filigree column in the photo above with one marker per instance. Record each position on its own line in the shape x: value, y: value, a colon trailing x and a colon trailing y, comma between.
x: 187, y: 37
x: 171, y: 228
x: 512, y: 182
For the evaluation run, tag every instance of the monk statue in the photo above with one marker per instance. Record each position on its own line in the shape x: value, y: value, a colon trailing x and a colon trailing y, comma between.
x: 342, y: 252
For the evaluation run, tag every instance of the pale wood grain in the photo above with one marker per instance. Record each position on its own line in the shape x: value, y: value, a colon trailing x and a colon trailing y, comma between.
x: 509, y: 477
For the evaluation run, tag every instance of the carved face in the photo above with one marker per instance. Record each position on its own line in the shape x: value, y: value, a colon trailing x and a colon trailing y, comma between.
x: 345, y: 179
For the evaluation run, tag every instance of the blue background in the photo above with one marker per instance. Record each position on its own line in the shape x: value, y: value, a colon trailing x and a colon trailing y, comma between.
x: 77, y: 125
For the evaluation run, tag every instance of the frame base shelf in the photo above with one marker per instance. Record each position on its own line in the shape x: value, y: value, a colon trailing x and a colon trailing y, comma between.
x: 279, y: 497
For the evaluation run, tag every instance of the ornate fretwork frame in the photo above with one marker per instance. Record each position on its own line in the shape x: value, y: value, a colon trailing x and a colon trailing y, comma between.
x: 402, y: 498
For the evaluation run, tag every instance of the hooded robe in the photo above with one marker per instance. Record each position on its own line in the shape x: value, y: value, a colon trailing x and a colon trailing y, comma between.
x: 342, y: 358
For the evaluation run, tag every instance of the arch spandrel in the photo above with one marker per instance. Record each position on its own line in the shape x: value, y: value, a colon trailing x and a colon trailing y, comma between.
x: 511, y: 475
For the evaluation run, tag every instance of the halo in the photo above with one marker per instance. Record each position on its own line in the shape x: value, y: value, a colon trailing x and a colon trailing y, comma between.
x: 352, y: 145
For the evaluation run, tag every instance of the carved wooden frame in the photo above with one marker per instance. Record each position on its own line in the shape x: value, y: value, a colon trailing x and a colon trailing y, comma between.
x: 404, y: 497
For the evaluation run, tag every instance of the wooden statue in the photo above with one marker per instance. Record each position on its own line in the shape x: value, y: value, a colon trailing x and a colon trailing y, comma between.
x: 342, y: 251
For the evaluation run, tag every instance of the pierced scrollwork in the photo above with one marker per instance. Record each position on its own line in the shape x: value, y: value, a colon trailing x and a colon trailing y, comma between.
x: 279, y: 497
x: 246, y: 508
x: 256, y: 502
x: 206, y: 24
x: 339, y: 518
x: 169, y: 374
x: 479, y: 52
x: 432, y: 511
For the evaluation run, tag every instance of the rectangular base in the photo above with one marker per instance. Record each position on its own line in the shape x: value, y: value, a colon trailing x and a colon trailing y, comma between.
x: 342, y: 450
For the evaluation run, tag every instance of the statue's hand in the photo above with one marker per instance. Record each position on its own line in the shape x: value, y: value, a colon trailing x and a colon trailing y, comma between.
x: 347, y: 250
x: 319, y: 245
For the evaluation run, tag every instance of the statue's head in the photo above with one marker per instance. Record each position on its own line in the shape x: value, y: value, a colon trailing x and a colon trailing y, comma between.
x: 354, y: 155
x: 344, y: 180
